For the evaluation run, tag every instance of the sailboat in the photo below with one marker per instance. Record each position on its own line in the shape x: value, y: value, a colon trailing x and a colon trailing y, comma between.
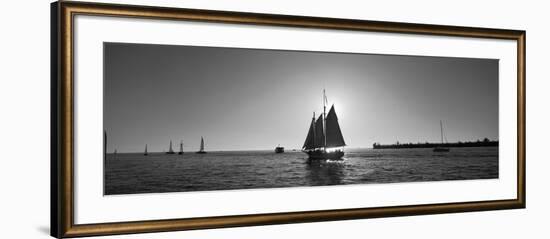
x: 181, y: 148
x: 170, y: 150
x: 201, y: 151
x: 324, y: 139
x: 104, y: 145
x: 441, y: 148
x: 145, y: 153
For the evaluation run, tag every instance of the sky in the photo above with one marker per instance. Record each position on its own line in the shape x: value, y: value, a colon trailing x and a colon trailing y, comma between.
x: 252, y: 99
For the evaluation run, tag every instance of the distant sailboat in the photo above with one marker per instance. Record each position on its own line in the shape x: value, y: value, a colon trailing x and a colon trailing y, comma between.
x: 170, y: 151
x: 441, y: 148
x: 201, y: 151
x: 104, y: 145
x: 181, y: 148
x: 324, y: 139
x: 145, y: 153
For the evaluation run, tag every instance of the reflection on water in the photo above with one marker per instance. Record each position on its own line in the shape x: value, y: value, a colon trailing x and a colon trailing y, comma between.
x: 157, y: 172
x: 324, y: 172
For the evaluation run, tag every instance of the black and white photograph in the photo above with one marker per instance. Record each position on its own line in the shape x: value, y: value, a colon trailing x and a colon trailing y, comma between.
x: 272, y: 119
x: 181, y: 118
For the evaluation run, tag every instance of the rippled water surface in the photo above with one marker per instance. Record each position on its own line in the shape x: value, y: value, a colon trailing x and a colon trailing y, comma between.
x: 157, y: 172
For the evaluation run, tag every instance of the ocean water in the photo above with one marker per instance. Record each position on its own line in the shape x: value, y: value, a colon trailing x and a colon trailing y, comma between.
x: 127, y: 173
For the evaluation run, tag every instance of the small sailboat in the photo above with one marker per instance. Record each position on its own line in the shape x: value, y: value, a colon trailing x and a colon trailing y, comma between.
x: 201, y: 151
x: 324, y: 139
x: 145, y: 152
x: 181, y: 148
x: 170, y: 150
x: 441, y: 148
x: 279, y: 149
x: 104, y: 145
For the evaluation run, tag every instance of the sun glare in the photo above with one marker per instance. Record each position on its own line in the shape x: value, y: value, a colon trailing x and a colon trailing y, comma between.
x: 329, y: 150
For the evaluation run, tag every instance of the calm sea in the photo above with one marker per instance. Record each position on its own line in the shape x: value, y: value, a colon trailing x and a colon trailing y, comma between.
x: 157, y: 172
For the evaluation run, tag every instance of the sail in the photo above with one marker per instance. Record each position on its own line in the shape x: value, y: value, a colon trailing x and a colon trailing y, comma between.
x: 202, y: 144
x: 319, y: 133
x: 334, y: 134
x: 310, y: 139
x: 170, y: 150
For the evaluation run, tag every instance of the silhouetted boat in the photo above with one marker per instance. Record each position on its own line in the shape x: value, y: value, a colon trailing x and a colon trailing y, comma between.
x: 279, y: 149
x: 145, y: 152
x: 181, y: 148
x: 170, y: 150
x: 441, y: 148
x: 324, y: 139
x: 104, y: 145
x: 201, y: 150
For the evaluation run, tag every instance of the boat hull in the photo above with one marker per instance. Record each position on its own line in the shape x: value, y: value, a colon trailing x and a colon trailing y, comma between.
x: 323, y: 155
x: 200, y: 152
x: 279, y: 150
x: 441, y: 149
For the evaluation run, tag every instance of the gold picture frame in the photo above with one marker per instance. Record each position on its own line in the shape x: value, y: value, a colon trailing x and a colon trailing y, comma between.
x: 62, y: 128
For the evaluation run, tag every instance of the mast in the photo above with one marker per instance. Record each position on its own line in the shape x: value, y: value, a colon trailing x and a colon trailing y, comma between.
x: 181, y: 146
x: 441, y: 126
x: 313, y: 122
x: 104, y: 144
x: 170, y: 150
x: 202, y: 144
x: 324, y: 120
x: 145, y: 148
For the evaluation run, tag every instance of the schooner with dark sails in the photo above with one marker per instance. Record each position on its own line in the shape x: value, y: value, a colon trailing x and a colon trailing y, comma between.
x: 324, y: 139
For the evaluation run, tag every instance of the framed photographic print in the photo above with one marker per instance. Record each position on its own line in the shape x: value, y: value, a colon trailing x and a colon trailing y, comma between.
x: 170, y: 119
